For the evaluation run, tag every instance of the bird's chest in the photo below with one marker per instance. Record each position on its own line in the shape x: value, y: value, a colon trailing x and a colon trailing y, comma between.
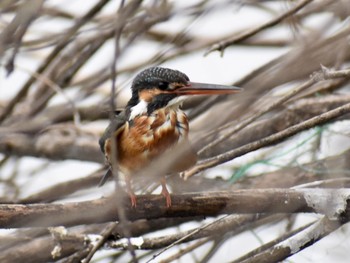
x: 146, y: 137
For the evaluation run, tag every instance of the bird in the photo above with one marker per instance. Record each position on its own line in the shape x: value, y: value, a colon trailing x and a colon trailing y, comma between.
x: 152, y: 123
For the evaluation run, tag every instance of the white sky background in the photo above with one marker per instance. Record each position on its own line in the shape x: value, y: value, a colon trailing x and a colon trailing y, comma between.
x: 235, y: 63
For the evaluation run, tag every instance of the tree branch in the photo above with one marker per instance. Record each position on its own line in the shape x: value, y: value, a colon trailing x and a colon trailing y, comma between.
x: 269, y: 140
x: 223, y: 44
x: 331, y: 202
x: 297, y: 242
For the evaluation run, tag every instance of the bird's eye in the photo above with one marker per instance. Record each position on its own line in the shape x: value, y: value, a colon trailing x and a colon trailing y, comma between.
x: 163, y: 85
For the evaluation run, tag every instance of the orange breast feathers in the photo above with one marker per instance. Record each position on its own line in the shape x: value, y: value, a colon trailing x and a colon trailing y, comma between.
x: 147, y: 137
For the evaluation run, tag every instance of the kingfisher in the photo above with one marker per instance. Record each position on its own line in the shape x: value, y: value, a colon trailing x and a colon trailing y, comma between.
x: 152, y: 123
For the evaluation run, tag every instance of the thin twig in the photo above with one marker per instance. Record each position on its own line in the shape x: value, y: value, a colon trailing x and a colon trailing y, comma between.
x: 297, y: 242
x: 104, y: 236
x: 246, y: 122
x: 223, y: 44
x: 272, y: 243
x: 185, y: 237
x: 123, y: 14
x: 44, y: 65
x: 184, y: 251
x: 277, y: 137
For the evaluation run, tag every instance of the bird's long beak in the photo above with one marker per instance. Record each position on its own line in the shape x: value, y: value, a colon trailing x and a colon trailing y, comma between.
x: 196, y: 88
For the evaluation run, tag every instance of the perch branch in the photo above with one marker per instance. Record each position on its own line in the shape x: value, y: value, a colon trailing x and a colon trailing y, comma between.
x: 331, y: 202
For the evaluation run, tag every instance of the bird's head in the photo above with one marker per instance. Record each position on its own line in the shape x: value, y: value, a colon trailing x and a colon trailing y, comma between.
x: 157, y: 87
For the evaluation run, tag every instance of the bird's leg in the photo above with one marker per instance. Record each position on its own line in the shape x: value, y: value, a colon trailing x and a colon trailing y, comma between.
x: 165, y: 192
x: 130, y: 191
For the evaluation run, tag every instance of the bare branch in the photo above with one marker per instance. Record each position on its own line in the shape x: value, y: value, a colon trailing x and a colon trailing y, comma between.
x: 222, y: 45
x: 298, y: 242
x: 272, y: 139
x: 332, y: 202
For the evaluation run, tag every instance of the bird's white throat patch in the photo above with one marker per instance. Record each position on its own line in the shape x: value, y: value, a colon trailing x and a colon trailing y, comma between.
x: 139, y: 109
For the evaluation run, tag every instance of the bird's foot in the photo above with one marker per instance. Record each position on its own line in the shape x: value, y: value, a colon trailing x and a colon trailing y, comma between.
x: 132, y: 199
x: 167, y: 196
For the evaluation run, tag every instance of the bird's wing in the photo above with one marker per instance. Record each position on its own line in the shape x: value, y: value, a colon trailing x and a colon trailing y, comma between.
x: 115, y: 126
